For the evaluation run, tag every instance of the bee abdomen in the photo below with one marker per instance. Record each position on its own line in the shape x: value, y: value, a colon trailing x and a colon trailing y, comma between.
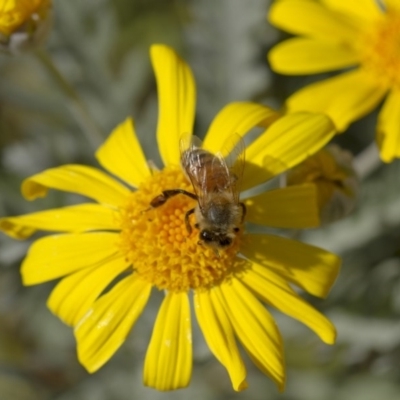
x: 207, y: 168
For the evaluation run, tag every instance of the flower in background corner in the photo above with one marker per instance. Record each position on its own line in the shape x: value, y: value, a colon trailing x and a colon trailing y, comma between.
x: 24, y: 23
x: 119, y: 238
x: 361, y: 36
x: 332, y: 171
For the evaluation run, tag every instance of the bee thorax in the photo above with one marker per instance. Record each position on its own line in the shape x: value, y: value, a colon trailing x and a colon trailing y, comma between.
x: 219, y: 215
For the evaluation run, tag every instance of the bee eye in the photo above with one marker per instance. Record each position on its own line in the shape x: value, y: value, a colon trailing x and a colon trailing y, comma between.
x: 225, y: 242
x: 236, y: 229
x: 206, y: 236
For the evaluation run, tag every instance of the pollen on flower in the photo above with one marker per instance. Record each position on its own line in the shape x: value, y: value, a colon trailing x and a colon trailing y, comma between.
x: 157, y: 243
x: 380, y: 50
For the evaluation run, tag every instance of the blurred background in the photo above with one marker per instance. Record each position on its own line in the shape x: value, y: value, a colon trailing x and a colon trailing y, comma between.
x: 101, y: 48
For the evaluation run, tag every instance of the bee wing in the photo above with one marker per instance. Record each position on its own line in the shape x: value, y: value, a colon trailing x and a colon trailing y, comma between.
x: 211, y: 173
x: 234, y: 160
x: 189, y: 142
x: 192, y: 163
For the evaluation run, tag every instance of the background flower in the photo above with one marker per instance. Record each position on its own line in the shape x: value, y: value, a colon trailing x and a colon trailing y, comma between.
x: 341, y: 34
x: 332, y: 171
x: 24, y: 23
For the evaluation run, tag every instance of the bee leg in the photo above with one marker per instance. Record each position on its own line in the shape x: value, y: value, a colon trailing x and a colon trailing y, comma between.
x: 187, y: 222
x: 243, y: 211
x: 167, y: 194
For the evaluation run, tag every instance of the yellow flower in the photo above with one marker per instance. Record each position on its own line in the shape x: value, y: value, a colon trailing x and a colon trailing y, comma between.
x: 332, y: 171
x: 23, y: 22
x: 337, y: 34
x: 118, y: 237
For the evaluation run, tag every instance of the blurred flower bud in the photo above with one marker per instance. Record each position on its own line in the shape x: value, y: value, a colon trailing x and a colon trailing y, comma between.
x: 24, y: 24
x: 332, y: 171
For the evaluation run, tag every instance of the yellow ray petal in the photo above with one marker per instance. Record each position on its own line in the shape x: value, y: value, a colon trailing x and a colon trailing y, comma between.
x: 74, y: 295
x: 105, y: 327
x: 344, y: 98
x: 122, y: 155
x: 176, y: 99
x: 87, y: 181
x: 365, y: 10
x: 274, y: 290
x: 309, y: 267
x: 255, y: 328
x: 54, y: 256
x: 168, y: 363
x: 293, y: 207
x: 287, y: 142
x: 303, y: 56
x: 80, y: 218
x: 309, y: 18
x: 388, y: 129
x: 237, y: 118
x: 218, y: 333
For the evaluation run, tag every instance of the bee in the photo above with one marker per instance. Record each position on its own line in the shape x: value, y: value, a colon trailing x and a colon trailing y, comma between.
x: 215, y: 179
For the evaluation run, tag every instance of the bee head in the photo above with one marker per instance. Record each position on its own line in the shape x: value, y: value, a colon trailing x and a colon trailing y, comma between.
x: 215, y: 239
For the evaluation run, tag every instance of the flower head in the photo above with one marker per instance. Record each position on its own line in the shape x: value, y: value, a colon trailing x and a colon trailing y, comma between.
x: 362, y: 36
x: 120, y: 238
x: 332, y: 171
x: 24, y: 23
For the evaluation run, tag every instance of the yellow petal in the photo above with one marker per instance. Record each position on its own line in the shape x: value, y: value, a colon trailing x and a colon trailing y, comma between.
x: 80, y: 218
x: 218, y: 333
x: 54, y: 256
x: 344, y: 98
x: 74, y: 295
x: 237, y: 118
x: 303, y: 56
x: 286, y: 143
x: 290, y: 207
x: 105, y: 327
x: 274, y: 290
x: 309, y: 267
x: 87, y: 181
x: 176, y: 99
x: 168, y: 363
x: 309, y: 18
x: 365, y: 10
x: 255, y: 328
x: 123, y: 156
x: 388, y: 129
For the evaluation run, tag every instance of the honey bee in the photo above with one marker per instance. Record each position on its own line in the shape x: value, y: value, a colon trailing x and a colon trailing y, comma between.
x: 215, y: 179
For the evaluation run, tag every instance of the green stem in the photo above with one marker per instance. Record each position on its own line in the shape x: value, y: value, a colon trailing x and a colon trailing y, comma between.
x: 76, y: 106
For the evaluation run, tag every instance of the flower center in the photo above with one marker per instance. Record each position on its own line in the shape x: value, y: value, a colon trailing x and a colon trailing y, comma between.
x: 158, y: 244
x: 381, y: 50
